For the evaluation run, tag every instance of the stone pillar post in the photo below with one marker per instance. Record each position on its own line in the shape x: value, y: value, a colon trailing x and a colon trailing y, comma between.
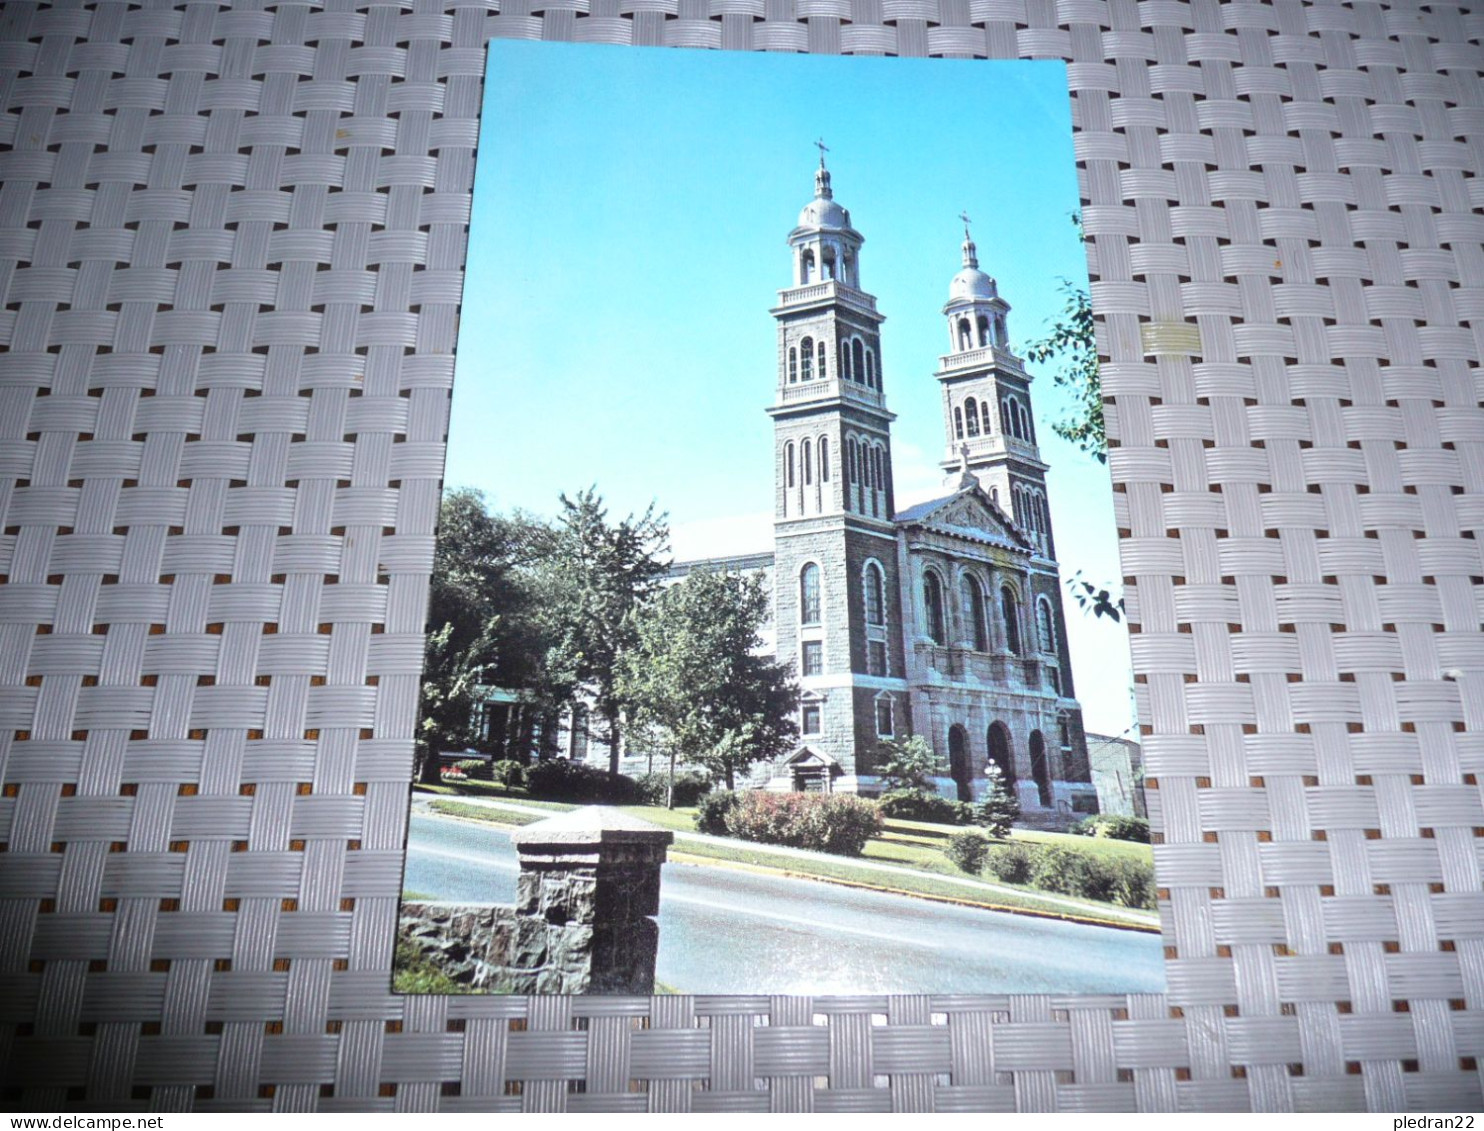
x: 588, y: 890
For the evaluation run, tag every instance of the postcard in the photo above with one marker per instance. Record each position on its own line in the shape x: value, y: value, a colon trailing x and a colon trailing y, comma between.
x: 775, y: 634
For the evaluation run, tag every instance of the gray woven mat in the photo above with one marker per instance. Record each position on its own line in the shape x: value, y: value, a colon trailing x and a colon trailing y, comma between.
x: 232, y: 243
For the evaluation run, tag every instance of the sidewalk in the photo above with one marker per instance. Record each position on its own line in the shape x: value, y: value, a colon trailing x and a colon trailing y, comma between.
x: 1080, y: 908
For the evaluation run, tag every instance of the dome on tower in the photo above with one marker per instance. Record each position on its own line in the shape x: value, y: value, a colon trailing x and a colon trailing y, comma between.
x: 971, y: 283
x: 822, y: 212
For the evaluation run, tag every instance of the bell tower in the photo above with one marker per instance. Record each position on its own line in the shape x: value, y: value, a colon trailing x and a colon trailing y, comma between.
x: 837, y: 603
x: 987, y: 419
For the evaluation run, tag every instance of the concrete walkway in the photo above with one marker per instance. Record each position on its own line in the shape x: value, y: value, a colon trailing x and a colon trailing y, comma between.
x: 1075, y: 907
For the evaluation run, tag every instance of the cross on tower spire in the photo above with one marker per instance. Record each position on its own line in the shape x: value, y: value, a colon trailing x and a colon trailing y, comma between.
x: 964, y: 216
x: 822, y: 175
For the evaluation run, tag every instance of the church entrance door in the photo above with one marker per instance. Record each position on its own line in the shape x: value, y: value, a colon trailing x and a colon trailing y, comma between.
x: 958, y: 762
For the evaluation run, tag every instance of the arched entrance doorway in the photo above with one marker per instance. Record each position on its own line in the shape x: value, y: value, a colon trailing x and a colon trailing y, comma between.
x: 1040, y: 771
x: 999, y: 754
x: 958, y: 762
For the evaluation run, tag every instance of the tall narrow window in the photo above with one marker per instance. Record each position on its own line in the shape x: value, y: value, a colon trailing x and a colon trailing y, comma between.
x: 806, y: 349
x: 858, y: 357
x: 870, y: 368
x: 812, y: 658
x: 974, y: 614
x: 984, y: 416
x: 965, y: 338
x: 809, y: 594
x: 845, y: 361
x: 788, y: 464
x: 883, y: 718
x: 793, y: 365
x: 1010, y: 610
x: 983, y: 331
x: 823, y: 373
x: 849, y: 472
x: 932, y: 597
x: 1045, y: 626
x: 971, y: 416
x: 875, y: 595
x: 824, y: 459
x: 806, y: 267
x: 958, y: 421
x: 809, y: 720
x: 806, y: 462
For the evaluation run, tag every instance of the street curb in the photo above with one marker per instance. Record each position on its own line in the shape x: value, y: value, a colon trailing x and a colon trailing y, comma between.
x: 682, y: 857
x: 1029, y: 912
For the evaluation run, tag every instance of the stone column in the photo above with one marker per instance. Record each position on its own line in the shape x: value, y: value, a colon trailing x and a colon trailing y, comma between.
x: 588, y: 890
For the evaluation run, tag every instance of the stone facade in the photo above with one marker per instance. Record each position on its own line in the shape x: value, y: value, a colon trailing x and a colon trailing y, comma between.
x: 583, y: 922
x: 944, y: 619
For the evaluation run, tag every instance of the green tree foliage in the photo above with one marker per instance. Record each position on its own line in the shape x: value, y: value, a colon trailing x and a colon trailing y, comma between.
x: 907, y: 762
x: 1072, y: 343
x: 592, y: 576
x: 480, y: 631
x: 692, y: 674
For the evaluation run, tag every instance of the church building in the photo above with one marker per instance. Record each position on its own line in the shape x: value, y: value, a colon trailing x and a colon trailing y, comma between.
x: 943, y: 619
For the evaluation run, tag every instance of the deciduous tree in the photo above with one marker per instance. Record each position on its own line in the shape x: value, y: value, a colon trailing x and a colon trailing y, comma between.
x: 694, y: 673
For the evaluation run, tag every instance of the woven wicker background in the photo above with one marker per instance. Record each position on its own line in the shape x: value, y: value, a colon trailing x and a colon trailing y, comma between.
x: 230, y: 254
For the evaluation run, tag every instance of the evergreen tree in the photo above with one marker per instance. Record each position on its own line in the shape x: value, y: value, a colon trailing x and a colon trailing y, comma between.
x: 1000, y: 808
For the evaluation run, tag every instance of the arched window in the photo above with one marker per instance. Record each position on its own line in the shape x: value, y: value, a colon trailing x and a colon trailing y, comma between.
x: 1010, y: 611
x: 958, y: 421
x: 809, y: 594
x: 1045, y: 626
x: 858, y: 357
x: 849, y: 471
x: 806, y: 462
x: 932, y: 598
x: 875, y: 595
x: 823, y: 373
x: 788, y: 464
x: 793, y: 364
x: 1006, y: 421
x: 965, y: 335
x: 824, y: 459
x: 983, y: 331
x: 845, y: 370
x: 870, y: 367
x: 971, y: 415
x: 974, y: 613
x: 1000, y: 336
x: 984, y: 416
x: 806, y: 267
x: 806, y: 348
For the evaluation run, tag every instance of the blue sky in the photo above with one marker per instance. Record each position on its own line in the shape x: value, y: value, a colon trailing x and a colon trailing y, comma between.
x: 631, y: 209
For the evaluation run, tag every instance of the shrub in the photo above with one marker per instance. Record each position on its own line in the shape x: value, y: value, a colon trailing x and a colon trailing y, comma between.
x: 1114, y: 827
x: 562, y: 779
x: 838, y: 823
x: 512, y: 775
x: 475, y: 769
x: 920, y: 805
x: 1012, y: 863
x: 689, y: 786
x: 712, y: 811
x: 1134, y: 883
x: 967, y: 851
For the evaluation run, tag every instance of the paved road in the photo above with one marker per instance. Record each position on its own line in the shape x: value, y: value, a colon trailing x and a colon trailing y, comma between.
x: 724, y: 931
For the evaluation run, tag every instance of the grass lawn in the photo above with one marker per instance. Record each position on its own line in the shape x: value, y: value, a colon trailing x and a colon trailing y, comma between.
x: 914, y: 845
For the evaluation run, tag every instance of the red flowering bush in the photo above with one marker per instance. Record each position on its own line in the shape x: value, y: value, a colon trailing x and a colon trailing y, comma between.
x: 824, y: 822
